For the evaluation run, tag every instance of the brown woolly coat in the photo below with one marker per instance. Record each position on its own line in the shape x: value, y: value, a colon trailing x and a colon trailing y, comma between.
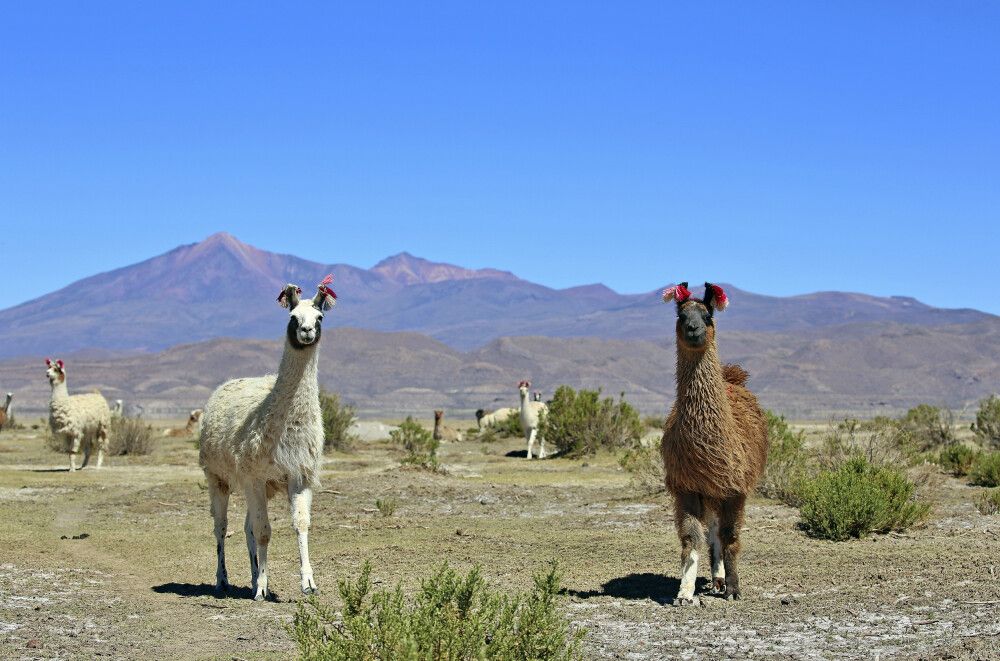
x: 715, y: 438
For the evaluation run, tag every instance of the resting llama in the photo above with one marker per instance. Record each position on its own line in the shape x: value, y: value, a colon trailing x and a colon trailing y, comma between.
x: 530, y: 412
x: 78, y: 419
x: 5, y: 413
x: 265, y: 435
x: 714, y: 445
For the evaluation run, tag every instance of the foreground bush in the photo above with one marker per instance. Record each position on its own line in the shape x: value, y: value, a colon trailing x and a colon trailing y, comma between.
x: 451, y: 617
x: 988, y: 502
x: 859, y: 498
x: 581, y: 422
x: 957, y: 459
x: 987, y: 424
x: 337, y: 419
x: 986, y: 470
x: 130, y: 436
x: 420, y: 444
x: 786, y: 462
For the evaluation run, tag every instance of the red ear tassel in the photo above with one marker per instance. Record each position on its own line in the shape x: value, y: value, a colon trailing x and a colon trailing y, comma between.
x: 59, y: 363
x: 677, y: 293
x: 719, y: 299
x: 48, y: 362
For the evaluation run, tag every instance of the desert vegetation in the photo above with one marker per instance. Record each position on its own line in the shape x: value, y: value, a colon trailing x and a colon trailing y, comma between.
x: 419, y: 444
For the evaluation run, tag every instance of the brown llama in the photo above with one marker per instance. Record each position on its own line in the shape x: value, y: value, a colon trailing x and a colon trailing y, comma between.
x: 438, y: 415
x: 714, y: 445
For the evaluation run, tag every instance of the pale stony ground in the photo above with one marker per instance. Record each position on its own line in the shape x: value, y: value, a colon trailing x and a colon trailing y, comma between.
x: 138, y: 585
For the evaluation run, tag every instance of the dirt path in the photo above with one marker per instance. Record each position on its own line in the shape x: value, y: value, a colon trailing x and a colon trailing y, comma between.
x: 139, y: 584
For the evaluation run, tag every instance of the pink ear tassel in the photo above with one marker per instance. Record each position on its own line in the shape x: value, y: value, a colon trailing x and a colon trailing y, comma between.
x: 328, y: 279
x: 677, y: 293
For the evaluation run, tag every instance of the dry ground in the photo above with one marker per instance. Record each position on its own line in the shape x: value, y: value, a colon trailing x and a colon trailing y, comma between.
x: 139, y: 584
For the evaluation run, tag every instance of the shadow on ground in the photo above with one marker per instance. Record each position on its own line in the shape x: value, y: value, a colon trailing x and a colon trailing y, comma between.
x: 638, y: 586
x: 203, y: 590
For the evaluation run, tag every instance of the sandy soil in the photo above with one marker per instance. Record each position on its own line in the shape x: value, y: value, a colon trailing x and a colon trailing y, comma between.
x: 118, y: 563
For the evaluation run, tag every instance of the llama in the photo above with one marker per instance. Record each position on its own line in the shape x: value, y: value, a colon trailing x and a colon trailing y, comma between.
x: 265, y: 434
x: 438, y: 415
x: 118, y: 410
x: 714, y: 445
x: 530, y: 412
x: 443, y: 432
x: 484, y: 419
x: 5, y: 413
x: 77, y: 419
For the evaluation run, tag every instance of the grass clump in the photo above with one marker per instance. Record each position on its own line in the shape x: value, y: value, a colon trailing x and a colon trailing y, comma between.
x: 420, y: 445
x: 858, y: 498
x: 510, y: 426
x: 580, y: 423
x: 787, y: 462
x: 987, y: 424
x: 337, y: 419
x: 645, y: 464
x: 451, y: 617
x: 988, y: 502
x: 985, y: 471
x: 386, y: 506
x: 130, y: 436
x: 957, y: 459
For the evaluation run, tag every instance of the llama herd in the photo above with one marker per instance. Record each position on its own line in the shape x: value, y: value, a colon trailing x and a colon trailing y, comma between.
x: 264, y: 435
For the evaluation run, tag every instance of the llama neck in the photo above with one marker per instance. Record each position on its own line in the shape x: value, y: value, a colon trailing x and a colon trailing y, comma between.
x: 437, y: 427
x: 701, y: 390
x: 297, y: 381
x: 59, y: 391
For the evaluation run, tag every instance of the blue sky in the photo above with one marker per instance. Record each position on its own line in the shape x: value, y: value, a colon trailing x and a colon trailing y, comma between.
x: 782, y: 147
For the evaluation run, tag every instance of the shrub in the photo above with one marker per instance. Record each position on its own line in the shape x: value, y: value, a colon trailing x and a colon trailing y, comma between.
x: 386, y: 507
x: 928, y: 426
x: 881, y: 441
x: 858, y: 498
x: 987, y: 424
x: 654, y: 421
x: 420, y: 445
x: 985, y: 470
x: 130, y: 436
x: 957, y: 458
x: 646, y: 467
x: 579, y: 423
x: 988, y: 502
x: 337, y: 419
x: 488, y: 435
x: 786, y: 462
x: 450, y: 617
x: 510, y: 426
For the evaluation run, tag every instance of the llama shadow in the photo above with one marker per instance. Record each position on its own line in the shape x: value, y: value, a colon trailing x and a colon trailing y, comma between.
x: 204, y: 590
x: 50, y: 470
x: 657, y: 587
x: 517, y: 454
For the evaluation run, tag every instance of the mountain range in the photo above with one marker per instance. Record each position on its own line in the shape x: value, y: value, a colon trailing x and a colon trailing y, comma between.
x: 409, y: 335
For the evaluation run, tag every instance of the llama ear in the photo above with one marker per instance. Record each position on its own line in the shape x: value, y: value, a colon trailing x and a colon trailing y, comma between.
x: 60, y: 364
x: 48, y: 362
x: 677, y: 293
x: 325, y: 297
x: 289, y: 296
x: 715, y: 297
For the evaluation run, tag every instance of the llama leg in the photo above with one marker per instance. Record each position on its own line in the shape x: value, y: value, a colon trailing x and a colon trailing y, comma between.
x: 102, y: 445
x: 730, y: 523
x: 251, y: 548
x: 541, y: 447
x: 261, y: 526
x: 715, y: 545
x: 218, y: 492
x: 300, y: 500
x: 74, y: 449
x: 88, y: 445
x: 688, y: 512
x: 531, y: 442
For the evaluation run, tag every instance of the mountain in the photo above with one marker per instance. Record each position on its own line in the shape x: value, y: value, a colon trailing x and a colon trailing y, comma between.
x: 862, y: 368
x: 222, y: 287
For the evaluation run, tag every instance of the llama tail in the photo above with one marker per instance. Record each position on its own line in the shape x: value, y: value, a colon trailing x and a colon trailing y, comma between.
x: 735, y: 375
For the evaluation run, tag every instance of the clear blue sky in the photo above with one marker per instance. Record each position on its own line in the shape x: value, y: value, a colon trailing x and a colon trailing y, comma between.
x: 783, y: 147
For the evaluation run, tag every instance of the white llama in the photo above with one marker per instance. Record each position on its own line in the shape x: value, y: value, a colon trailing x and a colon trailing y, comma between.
x: 264, y: 435
x: 78, y: 419
x: 530, y: 412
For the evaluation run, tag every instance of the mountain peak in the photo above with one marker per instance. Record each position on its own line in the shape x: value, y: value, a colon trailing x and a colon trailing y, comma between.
x: 406, y: 269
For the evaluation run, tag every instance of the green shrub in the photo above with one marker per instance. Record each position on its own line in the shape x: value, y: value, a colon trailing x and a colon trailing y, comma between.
x: 957, y: 458
x: 337, y: 419
x: 786, y: 462
x: 645, y: 464
x: 450, y: 617
x: 581, y: 422
x: 420, y: 445
x: 985, y: 470
x: 987, y: 424
x: 988, y: 502
x: 387, y: 506
x: 510, y: 426
x: 859, y: 498
x: 488, y: 435
x: 130, y: 436
x: 654, y: 421
x: 928, y: 427
x: 881, y: 441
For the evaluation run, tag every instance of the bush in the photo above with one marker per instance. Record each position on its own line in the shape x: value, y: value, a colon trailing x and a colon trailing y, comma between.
x: 420, y: 444
x: 646, y: 466
x: 988, y: 502
x: 957, y: 458
x: 985, y: 470
x: 654, y: 421
x: 928, y: 426
x: 450, y: 617
x: 386, y: 507
x: 488, y: 435
x: 859, y: 498
x: 130, y: 436
x: 510, y: 426
x: 786, y: 462
x: 987, y: 424
x: 579, y: 423
x: 337, y: 419
x: 881, y: 441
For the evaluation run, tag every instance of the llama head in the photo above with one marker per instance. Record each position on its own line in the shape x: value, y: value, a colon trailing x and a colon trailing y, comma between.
x: 480, y: 413
x: 305, y: 316
x: 537, y: 395
x: 438, y: 415
x: 523, y: 387
x: 55, y: 372
x: 695, y: 318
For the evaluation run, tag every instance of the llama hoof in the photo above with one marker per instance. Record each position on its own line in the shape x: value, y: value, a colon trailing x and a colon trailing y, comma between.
x: 733, y: 595
x: 309, y: 586
x: 718, y: 586
x: 221, y: 587
x: 685, y: 601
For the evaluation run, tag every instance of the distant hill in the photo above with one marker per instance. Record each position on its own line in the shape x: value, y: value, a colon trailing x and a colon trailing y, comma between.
x: 865, y: 368
x: 222, y: 287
